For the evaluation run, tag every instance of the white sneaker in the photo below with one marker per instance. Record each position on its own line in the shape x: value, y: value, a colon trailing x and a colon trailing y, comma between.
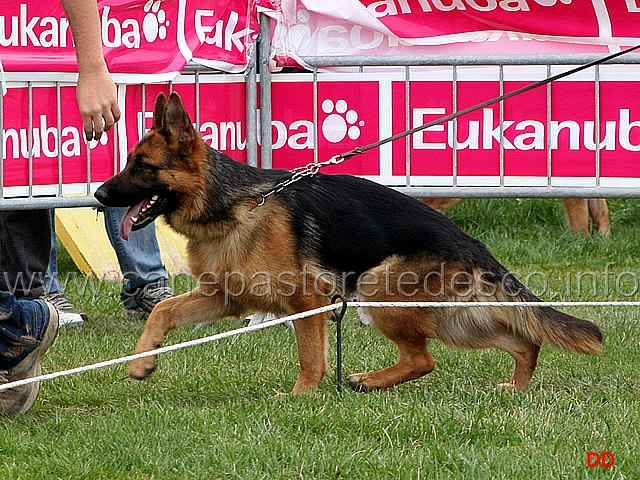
x: 67, y: 319
x: 70, y: 316
x: 261, y: 317
x: 255, y: 319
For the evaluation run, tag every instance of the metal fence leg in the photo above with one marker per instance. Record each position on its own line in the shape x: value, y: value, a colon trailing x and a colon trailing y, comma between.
x: 265, y: 91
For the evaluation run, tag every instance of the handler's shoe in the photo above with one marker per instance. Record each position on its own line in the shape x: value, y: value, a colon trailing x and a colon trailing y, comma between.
x: 69, y: 314
x: 147, y: 298
x: 43, y: 323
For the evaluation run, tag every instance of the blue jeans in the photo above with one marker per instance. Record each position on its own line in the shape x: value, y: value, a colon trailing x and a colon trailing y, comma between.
x: 22, y: 325
x: 139, y: 257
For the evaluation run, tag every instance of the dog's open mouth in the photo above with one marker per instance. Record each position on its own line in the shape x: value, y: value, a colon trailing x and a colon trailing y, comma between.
x: 142, y: 214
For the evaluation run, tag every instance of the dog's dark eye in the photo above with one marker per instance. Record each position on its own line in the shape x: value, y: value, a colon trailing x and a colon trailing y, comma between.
x: 145, y: 167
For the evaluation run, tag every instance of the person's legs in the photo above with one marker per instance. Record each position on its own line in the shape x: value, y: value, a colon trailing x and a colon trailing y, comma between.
x: 27, y: 329
x: 70, y: 316
x: 141, y: 265
x: 25, y: 244
x: 51, y: 277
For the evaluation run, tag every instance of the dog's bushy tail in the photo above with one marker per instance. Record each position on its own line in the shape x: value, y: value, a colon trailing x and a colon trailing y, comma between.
x: 546, y: 324
x: 568, y: 332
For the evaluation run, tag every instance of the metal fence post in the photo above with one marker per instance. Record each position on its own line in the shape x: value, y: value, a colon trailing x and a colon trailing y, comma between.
x: 251, y: 108
x: 265, y: 92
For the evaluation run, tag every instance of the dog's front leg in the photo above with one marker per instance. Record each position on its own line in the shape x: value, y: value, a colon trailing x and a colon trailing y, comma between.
x: 186, y: 309
x: 311, y: 336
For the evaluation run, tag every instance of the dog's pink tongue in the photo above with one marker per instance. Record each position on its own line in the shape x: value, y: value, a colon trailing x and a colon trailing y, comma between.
x: 127, y: 221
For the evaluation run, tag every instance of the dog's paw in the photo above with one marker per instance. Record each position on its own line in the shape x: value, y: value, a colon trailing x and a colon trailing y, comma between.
x: 358, y: 382
x: 302, y: 388
x: 514, y: 386
x: 142, y: 368
x: 507, y: 386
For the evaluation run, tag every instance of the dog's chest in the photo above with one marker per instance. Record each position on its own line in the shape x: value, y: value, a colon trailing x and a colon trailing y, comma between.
x: 219, y: 256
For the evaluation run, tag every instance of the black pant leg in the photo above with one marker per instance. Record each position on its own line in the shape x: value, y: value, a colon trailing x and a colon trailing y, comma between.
x: 25, y: 245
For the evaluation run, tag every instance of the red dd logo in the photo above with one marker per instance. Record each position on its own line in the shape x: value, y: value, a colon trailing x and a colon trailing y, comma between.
x: 604, y: 459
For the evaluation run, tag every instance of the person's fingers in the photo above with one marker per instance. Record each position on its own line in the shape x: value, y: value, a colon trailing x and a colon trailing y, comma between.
x: 93, y: 128
x: 96, y: 125
x: 109, y: 121
x: 88, y: 128
x: 97, y: 131
x: 115, y: 109
x: 111, y: 116
x: 99, y: 118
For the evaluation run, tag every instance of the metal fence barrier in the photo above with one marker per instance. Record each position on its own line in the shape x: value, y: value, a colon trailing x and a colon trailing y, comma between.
x: 455, y: 62
x: 57, y: 199
x: 259, y: 61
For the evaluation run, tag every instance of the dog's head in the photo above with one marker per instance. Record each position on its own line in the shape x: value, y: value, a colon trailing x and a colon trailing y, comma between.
x: 164, y: 165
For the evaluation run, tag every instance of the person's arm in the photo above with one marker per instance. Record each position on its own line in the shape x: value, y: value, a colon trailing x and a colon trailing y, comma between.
x: 96, y: 92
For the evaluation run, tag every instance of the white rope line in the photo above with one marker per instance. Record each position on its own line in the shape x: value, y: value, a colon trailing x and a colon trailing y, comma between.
x: 490, y: 304
x: 298, y: 316
x: 169, y: 348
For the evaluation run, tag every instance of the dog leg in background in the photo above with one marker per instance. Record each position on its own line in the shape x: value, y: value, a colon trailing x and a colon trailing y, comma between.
x: 577, y: 210
x: 599, y: 213
x: 442, y: 204
x: 580, y: 209
x: 187, y: 309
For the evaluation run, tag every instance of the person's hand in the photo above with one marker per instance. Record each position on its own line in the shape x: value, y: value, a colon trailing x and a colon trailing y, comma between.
x: 98, y: 102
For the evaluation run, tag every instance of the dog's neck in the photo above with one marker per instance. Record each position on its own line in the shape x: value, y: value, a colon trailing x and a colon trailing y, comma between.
x: 227, y: 184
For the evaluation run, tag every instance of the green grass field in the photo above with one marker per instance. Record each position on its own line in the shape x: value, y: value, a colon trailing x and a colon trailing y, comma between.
x: 215, y: 411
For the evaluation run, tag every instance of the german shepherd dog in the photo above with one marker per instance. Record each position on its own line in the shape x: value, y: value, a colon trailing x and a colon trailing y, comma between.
x: 321, y: 235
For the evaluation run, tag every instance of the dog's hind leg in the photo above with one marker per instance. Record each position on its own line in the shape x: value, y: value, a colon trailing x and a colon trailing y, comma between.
x: 414, y: 360
x: 186, y: 309
x: 525, y: 354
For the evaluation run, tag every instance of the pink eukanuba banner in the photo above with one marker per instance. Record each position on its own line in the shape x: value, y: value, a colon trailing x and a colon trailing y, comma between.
x: 142, y: 37
x: 159, y: 36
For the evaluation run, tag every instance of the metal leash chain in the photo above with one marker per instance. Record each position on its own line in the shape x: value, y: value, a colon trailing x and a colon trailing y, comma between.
x: 309, y: 170
x: 313, y: 168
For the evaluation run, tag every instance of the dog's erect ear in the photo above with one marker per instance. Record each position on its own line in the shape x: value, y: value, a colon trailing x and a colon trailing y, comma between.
x: 158, y: 111
x: 176, y: 122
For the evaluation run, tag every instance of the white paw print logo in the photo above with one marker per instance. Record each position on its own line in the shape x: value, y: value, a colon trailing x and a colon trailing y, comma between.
x: 155, y: 21
x: 340, y: 122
